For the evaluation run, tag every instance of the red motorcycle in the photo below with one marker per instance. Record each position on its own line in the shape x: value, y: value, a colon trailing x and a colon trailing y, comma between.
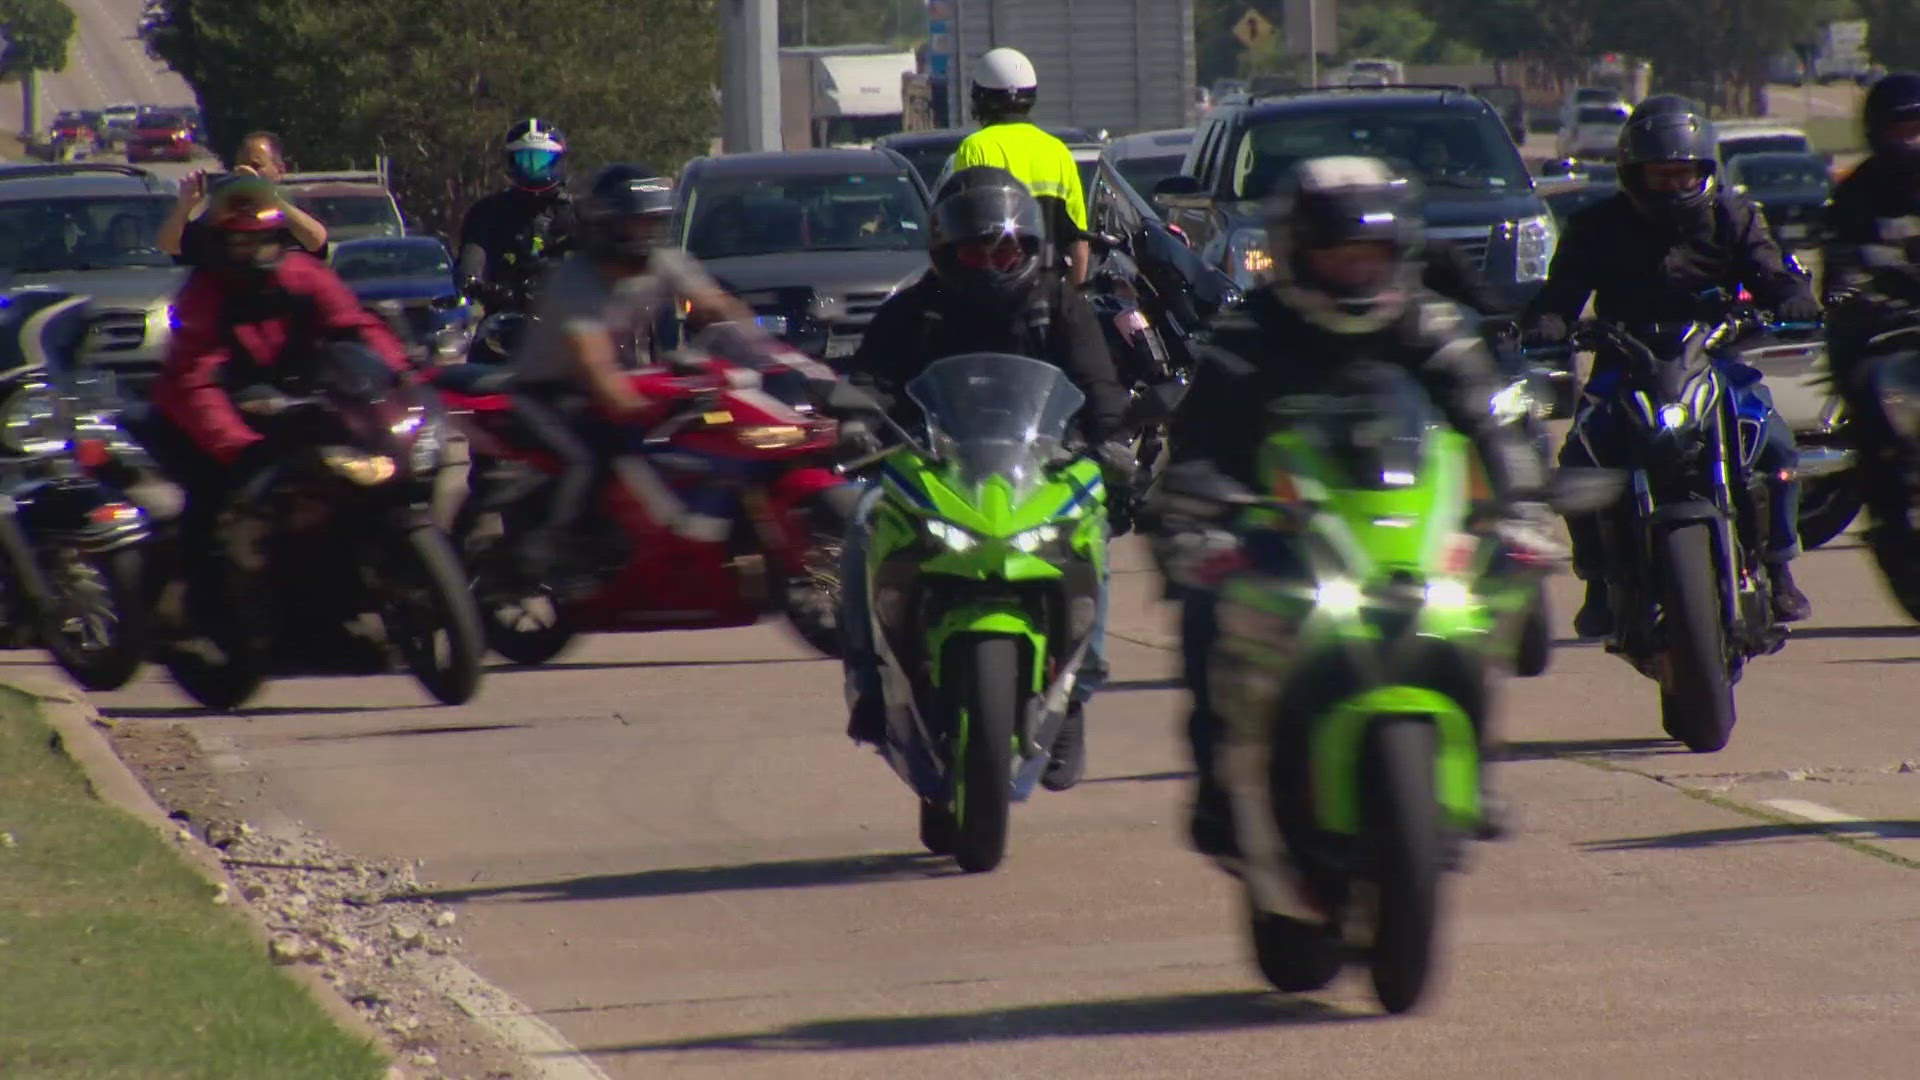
x: 722, y: 508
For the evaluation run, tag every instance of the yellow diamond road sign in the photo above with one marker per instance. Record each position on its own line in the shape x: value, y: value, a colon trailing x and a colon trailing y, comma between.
x: 1252, y: 29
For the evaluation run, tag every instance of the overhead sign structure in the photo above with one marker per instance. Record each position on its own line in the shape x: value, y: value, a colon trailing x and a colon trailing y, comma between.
x: 1253, y: 29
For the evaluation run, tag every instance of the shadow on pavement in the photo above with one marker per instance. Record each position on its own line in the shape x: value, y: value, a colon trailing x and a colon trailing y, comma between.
x: 1547, y: 749
x: 1850, y: 633
x: 793, y: 874
x: 1883, y: 830
x: 401, y: 733
x: 1141, y: 778
x: 181, y: 712
x: 1176, y: 1014
x: 628, y: 665
x: 1879, y: 660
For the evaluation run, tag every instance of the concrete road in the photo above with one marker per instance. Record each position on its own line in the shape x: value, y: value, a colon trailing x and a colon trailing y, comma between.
x: 665, y: 845
x: 106, y: 65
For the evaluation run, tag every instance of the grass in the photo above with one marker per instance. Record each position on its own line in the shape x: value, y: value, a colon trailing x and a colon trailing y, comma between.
x: 114, y: 960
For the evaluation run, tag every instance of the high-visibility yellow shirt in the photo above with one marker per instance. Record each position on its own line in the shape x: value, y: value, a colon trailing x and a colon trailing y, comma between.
x: 1041, y: 162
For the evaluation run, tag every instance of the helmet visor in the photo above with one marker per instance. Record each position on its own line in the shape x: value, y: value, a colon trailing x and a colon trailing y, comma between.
x: 534, y: 164
x: 1002, y: 254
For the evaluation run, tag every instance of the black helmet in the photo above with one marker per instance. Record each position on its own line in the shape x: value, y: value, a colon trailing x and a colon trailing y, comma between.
x: 536, y: 155
x: 1667, y: 103
x: 986, y: 240
x: 1667, y: 134
x: 1893, y: 99
x: 625, y: 212
x: 1344, y: 200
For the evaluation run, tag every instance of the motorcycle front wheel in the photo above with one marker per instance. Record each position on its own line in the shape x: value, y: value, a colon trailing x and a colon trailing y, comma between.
x: 1402, y: 816
x: 983, y: 687
x: 1535, y: 653
x: 96, y: 624
x: 1696, y: 702
x: 430, y: 613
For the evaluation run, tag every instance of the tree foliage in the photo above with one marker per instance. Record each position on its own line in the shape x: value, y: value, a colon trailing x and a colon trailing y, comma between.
x: 38, y: 33
x: 433, y: 84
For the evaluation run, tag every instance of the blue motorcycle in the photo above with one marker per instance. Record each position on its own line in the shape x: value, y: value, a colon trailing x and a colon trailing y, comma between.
x: 1683, y: 546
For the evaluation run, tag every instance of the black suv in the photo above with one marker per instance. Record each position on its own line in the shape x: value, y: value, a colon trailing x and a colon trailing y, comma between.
x: 1477, y: 193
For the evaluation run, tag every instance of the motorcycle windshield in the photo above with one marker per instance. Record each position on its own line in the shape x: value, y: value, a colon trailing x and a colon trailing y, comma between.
x: 994, y: 414
x: 1675, y: 352
x: 1371, y: 425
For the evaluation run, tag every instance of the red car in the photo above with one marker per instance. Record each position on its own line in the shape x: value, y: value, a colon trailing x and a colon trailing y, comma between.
x: 160, y: 137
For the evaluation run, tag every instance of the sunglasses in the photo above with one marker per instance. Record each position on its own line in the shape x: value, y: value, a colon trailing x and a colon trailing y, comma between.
x: 1001, y: 253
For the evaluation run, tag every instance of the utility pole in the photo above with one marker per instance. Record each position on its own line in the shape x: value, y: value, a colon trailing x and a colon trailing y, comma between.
x: 750, y: 75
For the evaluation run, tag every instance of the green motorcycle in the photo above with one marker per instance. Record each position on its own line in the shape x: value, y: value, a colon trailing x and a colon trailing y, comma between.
x: 988, y: 549
x: 1369, y: 599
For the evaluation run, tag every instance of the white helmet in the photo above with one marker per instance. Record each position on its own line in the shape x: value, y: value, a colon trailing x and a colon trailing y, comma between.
x: 1004, y: 84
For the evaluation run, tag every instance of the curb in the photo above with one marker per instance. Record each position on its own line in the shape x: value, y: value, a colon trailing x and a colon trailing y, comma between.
x: 73, y: 720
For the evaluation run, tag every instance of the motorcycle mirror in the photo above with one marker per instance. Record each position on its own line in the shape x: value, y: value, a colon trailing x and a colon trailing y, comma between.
x: 1583, y: 491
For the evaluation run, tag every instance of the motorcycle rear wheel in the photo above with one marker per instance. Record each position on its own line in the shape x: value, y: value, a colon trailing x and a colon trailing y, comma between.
x: 441, y: 603
x: 1696, y: 703
x: 983, y: 677
x: 1535, y: 653
x: 1402, y: 815
x: 97, y: 626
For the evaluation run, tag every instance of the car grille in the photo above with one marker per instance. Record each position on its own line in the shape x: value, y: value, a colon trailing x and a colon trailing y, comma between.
x: 115, y: 332
x: 857, y: 311
x: 1474, y: 249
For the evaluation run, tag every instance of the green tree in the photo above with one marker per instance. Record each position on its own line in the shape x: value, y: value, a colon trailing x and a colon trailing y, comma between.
x: 448, y: 80
x: 38, y: 33
x: 853, y: 22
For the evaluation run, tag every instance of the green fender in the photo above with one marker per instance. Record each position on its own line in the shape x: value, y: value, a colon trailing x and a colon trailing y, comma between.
x: 987, y: 619
x: 1341, y: 733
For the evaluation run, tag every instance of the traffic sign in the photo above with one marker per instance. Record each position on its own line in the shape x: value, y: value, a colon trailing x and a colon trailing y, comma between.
x: 1253, y: 29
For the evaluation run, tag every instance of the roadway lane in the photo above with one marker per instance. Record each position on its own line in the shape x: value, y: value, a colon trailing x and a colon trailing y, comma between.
x: 665, y: 846
x: 106, y: 64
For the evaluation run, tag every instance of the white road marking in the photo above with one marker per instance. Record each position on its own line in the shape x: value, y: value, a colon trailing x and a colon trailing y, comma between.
x: 1810, y: 811
x: 545, y: 1050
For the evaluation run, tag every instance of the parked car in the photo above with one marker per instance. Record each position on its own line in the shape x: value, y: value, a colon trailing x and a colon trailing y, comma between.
x: 160, y: 136
x: 1792, y: 190
x: 408, y: 280
x: 1149, y: 157
x: 1581, y: 97
x: 77, y: 125
x: 928, y: 151
x: 813, y: 240
x: 90, y: 228
x: 1592, y: 131
x: 352, y: 205
x: 1477, y: 194
x: 1579, y: 171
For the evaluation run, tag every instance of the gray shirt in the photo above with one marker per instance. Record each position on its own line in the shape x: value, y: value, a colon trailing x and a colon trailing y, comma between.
x: 577, y: 296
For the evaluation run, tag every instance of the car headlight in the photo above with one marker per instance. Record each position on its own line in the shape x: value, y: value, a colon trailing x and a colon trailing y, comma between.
x: 1535, y: 241
x: 774, y: 325
x: 1034, y: 539
x: 1248, y: 259
x: 364, y: 469
x: 956, y: 538
x: 1449, y: 593
x: 32, y: 423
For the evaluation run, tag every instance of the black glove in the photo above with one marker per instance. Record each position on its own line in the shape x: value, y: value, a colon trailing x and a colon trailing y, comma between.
x: 1798, y: 308
x: 1117, y: 468
x: 1545, y: 331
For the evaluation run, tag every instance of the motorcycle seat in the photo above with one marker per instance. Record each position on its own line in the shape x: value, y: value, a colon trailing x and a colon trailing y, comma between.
x: 474, y: 380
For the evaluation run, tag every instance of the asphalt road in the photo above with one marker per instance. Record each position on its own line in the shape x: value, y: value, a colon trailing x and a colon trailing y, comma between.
x: 665, y: 845
x: 106, y: 65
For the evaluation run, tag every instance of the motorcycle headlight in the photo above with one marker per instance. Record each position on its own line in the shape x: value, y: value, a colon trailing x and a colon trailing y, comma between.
x: 1674, y: 416
x: 1535, y: 240
x: 364, y: 469
x: 1036, y: 538
x: 956, y: 538
x: 424, y: 455
x: 32, y: 423
x: 1512, y: 405
x: 1337, y: 597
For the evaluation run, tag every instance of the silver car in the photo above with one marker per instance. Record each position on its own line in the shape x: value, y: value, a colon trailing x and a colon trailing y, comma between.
x: 89, y: 229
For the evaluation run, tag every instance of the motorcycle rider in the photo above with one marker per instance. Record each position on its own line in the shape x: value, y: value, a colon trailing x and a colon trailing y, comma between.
x: 1644, y: 256
x: 595, y: 321
x: 262, y: 311
x: 1005, y: 87
x: 1872, y: 264
x: 1345, y: 288
x: 505, y: 236
x: 990, y: 290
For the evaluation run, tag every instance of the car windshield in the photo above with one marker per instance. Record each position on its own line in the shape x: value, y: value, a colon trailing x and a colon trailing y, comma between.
x: 992, y: 414
x: 1762, y: 144
x: 1601, y: 114
x: 359, y: 262
x: 350, y: 211
x: 40, y: 236
x: 1442, y: 148
x: 1142, y: 173
x: 1778, y: 174
x: 927, y: 159
x: 733, y: 216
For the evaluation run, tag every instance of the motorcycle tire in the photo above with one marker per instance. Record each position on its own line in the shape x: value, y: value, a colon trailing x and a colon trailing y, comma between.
x: 1894, y: 550
x: 1294, y: 956
x: 937, y: 828
x: 1827, y: 507
x: 226, y: 683
x: 1535, y: 653
x: 1696, y: 703
x: 428, y: 559
x: 813, y: 600
x: 116, y: 578
x: 1403, y: 824
x: 983, y: 675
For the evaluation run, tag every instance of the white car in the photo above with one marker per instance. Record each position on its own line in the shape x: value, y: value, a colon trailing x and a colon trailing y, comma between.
x: 1582, y: 97
x: 1593, y: 131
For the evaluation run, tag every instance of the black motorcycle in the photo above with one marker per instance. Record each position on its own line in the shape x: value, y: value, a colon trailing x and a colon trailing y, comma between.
x: 1684, y: 549
x: 77, y: 558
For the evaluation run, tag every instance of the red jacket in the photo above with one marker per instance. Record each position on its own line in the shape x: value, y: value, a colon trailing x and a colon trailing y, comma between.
x: 189, y: 391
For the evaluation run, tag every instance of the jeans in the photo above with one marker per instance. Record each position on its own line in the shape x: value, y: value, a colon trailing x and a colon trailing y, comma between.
x: 863, y: 666
x: 1778, y: 453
